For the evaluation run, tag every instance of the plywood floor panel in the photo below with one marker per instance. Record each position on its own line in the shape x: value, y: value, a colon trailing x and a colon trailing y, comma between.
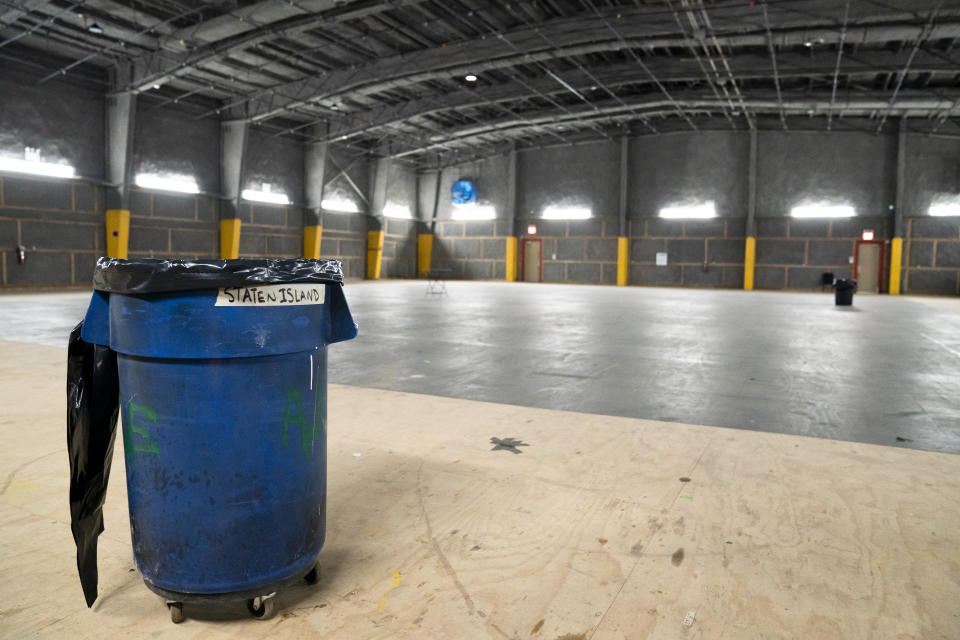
x: 602, y: 528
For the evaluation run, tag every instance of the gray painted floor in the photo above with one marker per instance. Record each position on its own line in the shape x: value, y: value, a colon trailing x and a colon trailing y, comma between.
x: 886, y: 371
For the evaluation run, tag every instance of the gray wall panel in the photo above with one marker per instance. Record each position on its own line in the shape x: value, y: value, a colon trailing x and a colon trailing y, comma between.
x: 858, y: 169
x: 169, y: 140
x: 689, y: 168
x: 581, y: 175
x: 63, y: 120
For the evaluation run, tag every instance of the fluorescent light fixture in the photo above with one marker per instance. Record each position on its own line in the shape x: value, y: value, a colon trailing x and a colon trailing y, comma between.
x: 470, y: 77
x: 165, y: 182
x: 37, y: 168
x: 339, y: 204
x: 95, y: 28
x: 823, y: 210
x: 474, y: 211
x: 557, y: 212
x: 265, y: 196
x: 945, y: 206
x: 394, y: 210
x: 700, y: 210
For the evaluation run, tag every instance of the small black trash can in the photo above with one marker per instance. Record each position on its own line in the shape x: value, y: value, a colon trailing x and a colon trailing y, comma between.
x: 843, y: 291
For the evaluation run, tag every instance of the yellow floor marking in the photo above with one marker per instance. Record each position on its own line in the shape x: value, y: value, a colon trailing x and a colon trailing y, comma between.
x: 397, y: 581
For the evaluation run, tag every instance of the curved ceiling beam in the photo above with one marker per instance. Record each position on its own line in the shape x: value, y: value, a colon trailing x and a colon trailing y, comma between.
x: 658, y: 106
x: 570, y: 37
x: 230, y: 33
x: 745, y: 66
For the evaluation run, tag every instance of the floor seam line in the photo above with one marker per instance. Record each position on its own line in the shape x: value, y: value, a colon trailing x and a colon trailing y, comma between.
x: 653, y: 534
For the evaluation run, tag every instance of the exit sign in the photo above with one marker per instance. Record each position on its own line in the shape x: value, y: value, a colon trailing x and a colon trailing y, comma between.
x: 868, y: 235
x: 532, y: 230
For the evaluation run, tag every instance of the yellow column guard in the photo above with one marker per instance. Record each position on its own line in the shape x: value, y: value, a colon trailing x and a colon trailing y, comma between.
x: 374, y: 254
x: 750, y: 258
x: 312, y: 235
x: 424, y: 253
x: 511, y: 270
x: 896, y: 260
x: 623, y: 260
x: 118, y: 233
x: 230, y: 238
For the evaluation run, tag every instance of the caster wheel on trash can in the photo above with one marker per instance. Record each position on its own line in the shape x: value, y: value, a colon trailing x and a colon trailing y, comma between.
x: 176, y: 612
x: 313, y: 577
x: 260, y: 607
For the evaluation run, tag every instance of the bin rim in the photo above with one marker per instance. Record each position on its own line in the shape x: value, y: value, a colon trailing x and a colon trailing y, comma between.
x: 160, y: 275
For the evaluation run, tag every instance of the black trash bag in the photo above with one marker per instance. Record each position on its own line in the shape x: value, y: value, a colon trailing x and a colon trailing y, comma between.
x: 93, y: 384
x: 149, y: 275
x: 93, y: 399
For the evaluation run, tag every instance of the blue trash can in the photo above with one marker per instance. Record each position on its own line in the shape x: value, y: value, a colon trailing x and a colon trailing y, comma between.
x: 223, y: 405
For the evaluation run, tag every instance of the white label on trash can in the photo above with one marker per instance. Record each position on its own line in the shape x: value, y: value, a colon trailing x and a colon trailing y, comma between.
x: 271, y: 295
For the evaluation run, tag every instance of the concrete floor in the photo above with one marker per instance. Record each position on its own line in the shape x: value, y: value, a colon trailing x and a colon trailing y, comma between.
x: 885, y: 371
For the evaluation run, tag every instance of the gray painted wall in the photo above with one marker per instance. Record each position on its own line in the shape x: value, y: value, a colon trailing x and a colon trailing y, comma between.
x: 793, y: 167
x: 932, y: 169
x: 584, y: 175
x: 402, y: 187
x: 172, y: 140
x: 490, y: 176
x: 65, y: 121
x: 400, y: 235
x: 277, y: 161
x: 61, y: 222
x: 854, y: 168
x: 356, y: 167
x: 690, y: 167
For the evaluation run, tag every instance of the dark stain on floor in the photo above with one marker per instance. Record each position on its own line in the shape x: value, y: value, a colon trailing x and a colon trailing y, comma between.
x: 677, y: 558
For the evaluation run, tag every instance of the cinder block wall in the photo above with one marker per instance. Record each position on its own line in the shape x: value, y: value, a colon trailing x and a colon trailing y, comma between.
x: 345, y: 238
x: 471, y: 249
x: 795, y: 253
x: 932, y: 256
x: 793, y: 167
x: 400, y: 234
x: 576, y: 251
x: 700, y: 253
x: 173, y: 225
x: 61, y: 222
x: 271, y: 231
x: 61, y: 225
x: 399, y: 249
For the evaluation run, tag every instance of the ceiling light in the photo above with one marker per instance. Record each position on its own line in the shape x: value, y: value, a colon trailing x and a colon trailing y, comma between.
x: 95, y: 28
x: 554, y: 212
x: 37, y: 168
x: 339, y: 204
x: 823, y: 210
x: 680, y: 211
x: 946, y: 205
x: 470, y: 77
x: 179, y: 183
x: 474, y: 211
x: 265, y: 196
x: 394, y: 210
